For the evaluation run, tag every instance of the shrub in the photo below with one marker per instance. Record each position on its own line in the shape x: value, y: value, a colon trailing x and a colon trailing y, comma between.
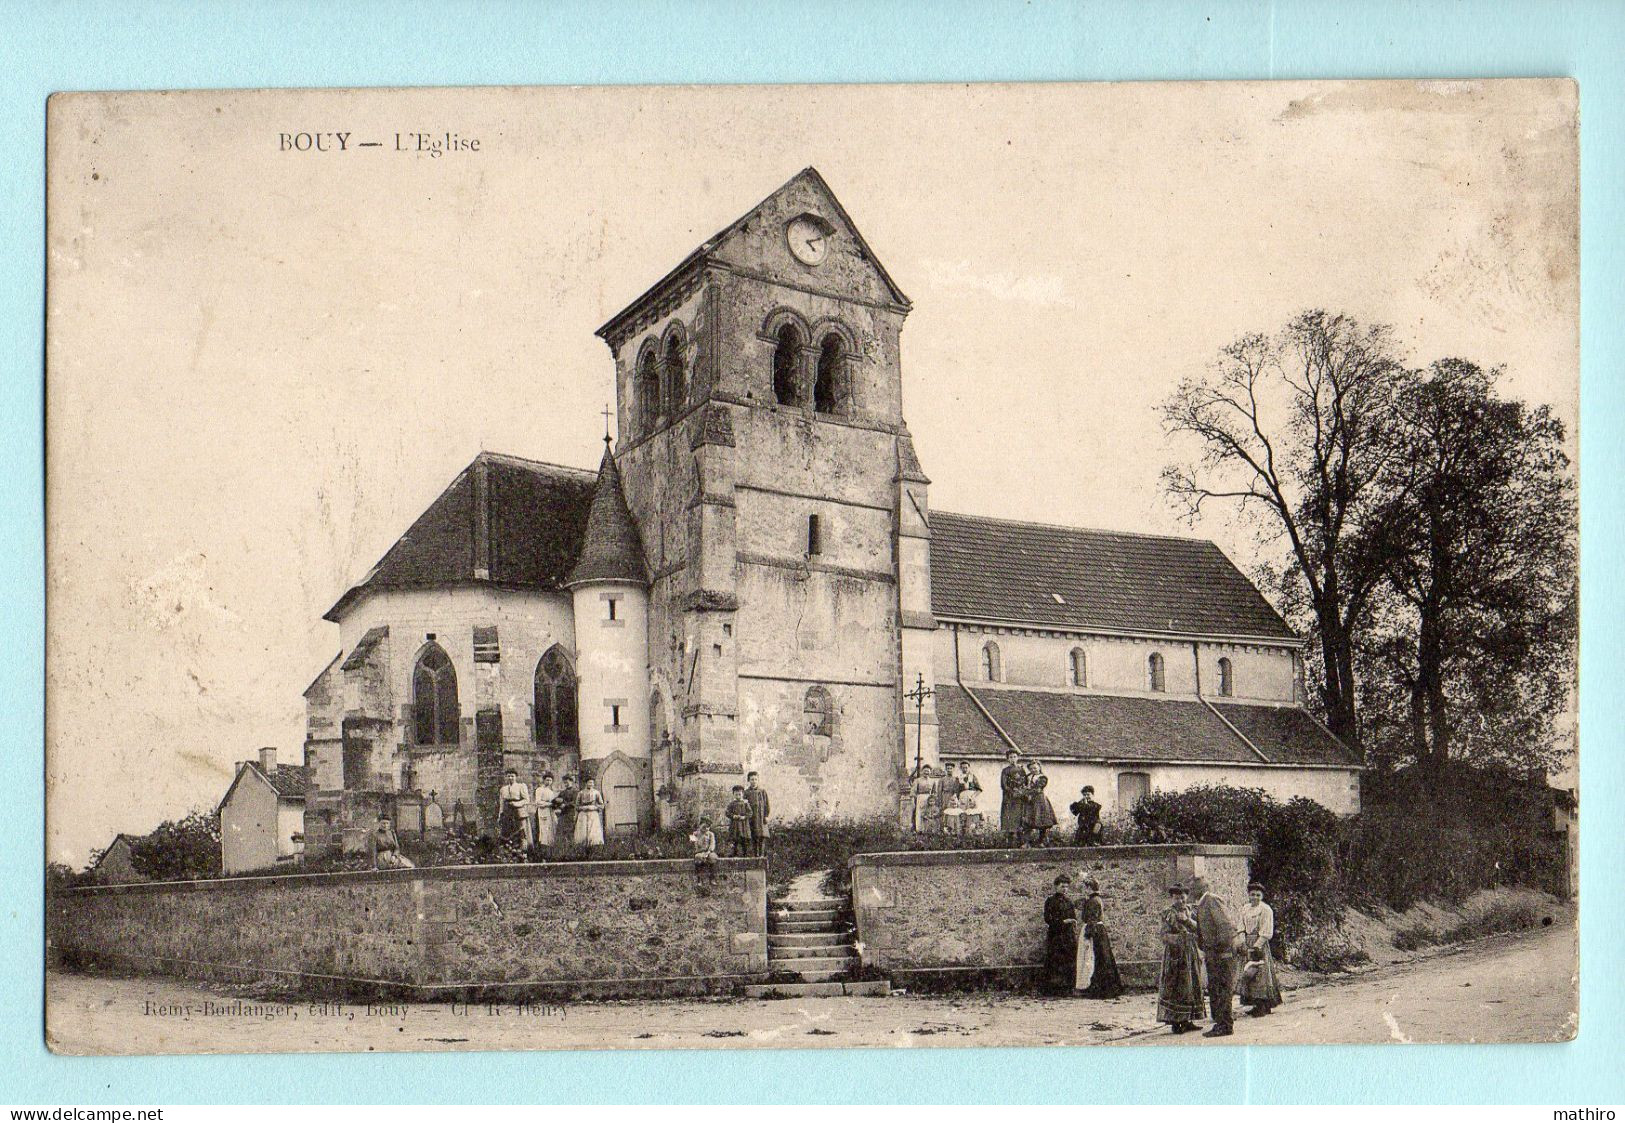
x: 1488, y: 914
x: 1296, y: 842
x: 1325, y: 947
x: 185, y: 849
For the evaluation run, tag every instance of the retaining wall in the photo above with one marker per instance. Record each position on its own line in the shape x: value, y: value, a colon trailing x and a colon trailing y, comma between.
x: 933, y: 916
x: 570, y: 927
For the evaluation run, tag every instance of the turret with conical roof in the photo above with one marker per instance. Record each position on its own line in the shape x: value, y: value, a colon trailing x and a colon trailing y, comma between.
x: 610, y: 589
x: 611, y: 549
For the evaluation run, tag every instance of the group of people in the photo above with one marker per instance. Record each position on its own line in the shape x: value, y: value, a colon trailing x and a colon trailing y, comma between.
x: 746, y: 813
x: 1026, y: 814
x: 1078, y: 948
x: 549, y: 816
x: 1207, y: 957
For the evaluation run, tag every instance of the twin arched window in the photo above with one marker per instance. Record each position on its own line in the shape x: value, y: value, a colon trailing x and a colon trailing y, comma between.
x: 434, y: 698
x: 1227, y: 681
x: 556, y: 719
x: 992, y: 667
x: 1078, y: 667
x: 660, y: 381
x: 1156, y: 677
x: 831, y: 393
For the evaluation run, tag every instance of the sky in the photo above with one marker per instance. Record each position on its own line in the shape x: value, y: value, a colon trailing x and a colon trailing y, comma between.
x: 263, y: 362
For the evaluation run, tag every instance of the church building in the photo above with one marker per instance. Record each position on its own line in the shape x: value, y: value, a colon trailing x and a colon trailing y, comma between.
x: 753, y: 579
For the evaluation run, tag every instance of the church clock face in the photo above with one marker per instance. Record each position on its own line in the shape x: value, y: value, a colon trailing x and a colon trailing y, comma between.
x: 808, y: 238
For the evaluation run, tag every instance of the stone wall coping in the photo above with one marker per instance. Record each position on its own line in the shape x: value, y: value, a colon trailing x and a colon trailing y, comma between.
x: 1048, y: 854
x: 496, y: 871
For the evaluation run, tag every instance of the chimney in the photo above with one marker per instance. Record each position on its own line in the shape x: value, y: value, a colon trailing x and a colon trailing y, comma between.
x: 268, y: 760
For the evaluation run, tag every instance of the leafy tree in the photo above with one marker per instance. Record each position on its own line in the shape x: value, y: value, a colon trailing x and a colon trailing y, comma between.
x: 1478, y: 546
x: 184, y: 849
x: 1295, y: 430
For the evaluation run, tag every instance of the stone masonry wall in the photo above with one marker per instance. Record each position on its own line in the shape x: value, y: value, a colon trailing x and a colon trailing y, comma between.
x: 598, y: 927
x: 947, y: 911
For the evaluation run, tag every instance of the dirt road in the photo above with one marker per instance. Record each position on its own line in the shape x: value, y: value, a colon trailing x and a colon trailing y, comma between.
x: 1510, y: 988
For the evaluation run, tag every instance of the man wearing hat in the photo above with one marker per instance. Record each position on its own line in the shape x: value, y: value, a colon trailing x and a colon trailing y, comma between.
x: 1221, y: 944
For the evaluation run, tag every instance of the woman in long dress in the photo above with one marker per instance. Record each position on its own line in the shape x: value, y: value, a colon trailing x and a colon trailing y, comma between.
x: 589, y: 814
x: 1103, y: 980
x: 1060, y: 939
x: 1182, y: 982
x: 1259, y: 988
x: 1040, y: 811
x: 547, y: 816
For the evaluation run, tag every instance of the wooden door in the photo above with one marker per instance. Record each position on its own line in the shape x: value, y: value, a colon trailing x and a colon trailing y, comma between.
x: 623, y: 798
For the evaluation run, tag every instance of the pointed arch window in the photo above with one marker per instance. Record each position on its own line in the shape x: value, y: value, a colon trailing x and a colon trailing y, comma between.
x: 1227, y: 682
x: 829, y: 389
x: 556, y: 716
x: 1078, y: 668
x: 646, y: 392
x: 676, y: 365
x: 787, y: 366
x: 1156, y: 676
x: 992, y: 668
x: 434, y: 698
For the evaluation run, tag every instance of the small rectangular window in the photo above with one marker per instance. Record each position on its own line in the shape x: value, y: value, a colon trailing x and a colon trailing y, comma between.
x: 815, y: 543
x: 610, y: 604
x: 615, y: 711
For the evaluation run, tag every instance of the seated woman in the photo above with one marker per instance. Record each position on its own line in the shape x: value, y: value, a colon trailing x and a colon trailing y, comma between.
x: 386, y: 848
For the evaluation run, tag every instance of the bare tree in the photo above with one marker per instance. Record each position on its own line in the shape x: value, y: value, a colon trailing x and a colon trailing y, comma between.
x: 1295, y: 430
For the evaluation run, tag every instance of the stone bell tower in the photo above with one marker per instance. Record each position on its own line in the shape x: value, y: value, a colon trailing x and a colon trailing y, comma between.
x: 782, y: 513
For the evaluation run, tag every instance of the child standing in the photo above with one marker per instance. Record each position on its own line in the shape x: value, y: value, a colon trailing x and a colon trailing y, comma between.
x: 1042, y: 810
x: 738, y: 813
x: 705, y: 856
x: 756, y: 796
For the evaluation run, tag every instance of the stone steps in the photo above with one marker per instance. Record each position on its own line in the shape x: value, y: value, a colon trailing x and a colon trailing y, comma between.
x: 873, y: 988
x: 810, y: 943
x: 839, y: 950
x: 807, y: 939
x: 811, y: 904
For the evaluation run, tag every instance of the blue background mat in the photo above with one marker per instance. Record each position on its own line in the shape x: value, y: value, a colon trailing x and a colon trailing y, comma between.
x: 151, y: 45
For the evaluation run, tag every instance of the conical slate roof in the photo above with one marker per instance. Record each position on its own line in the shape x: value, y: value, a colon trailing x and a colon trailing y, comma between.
x: 611, y: 549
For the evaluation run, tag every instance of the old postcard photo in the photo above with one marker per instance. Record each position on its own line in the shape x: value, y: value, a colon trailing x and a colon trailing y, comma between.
x: 788, y: 567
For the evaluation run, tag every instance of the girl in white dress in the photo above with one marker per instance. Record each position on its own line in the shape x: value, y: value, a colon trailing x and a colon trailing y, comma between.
x: 590, y: 815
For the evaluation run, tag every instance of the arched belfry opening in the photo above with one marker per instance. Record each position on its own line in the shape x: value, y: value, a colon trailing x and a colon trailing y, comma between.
x: 787, y: 366
x: 676, y: 364
x: 829, y: 388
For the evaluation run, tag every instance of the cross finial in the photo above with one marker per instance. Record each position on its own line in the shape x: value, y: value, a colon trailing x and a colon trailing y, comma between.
x: 606, y: 424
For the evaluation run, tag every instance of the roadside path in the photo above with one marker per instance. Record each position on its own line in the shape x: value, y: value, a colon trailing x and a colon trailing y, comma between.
x: 1510, y: 988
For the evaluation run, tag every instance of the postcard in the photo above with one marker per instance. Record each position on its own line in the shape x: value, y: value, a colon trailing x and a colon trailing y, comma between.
x: 514, y: 582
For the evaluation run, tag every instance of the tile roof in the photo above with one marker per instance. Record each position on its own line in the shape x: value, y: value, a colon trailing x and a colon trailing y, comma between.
x: 1286, y: 734
x: 292, y: 781
x: 1063, y: 726
x: 611, y: 549
x: 1031, y: 573
x: 522, y: 518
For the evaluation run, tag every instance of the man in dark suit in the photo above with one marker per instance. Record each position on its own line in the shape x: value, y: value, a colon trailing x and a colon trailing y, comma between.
x: 1220, y: 941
